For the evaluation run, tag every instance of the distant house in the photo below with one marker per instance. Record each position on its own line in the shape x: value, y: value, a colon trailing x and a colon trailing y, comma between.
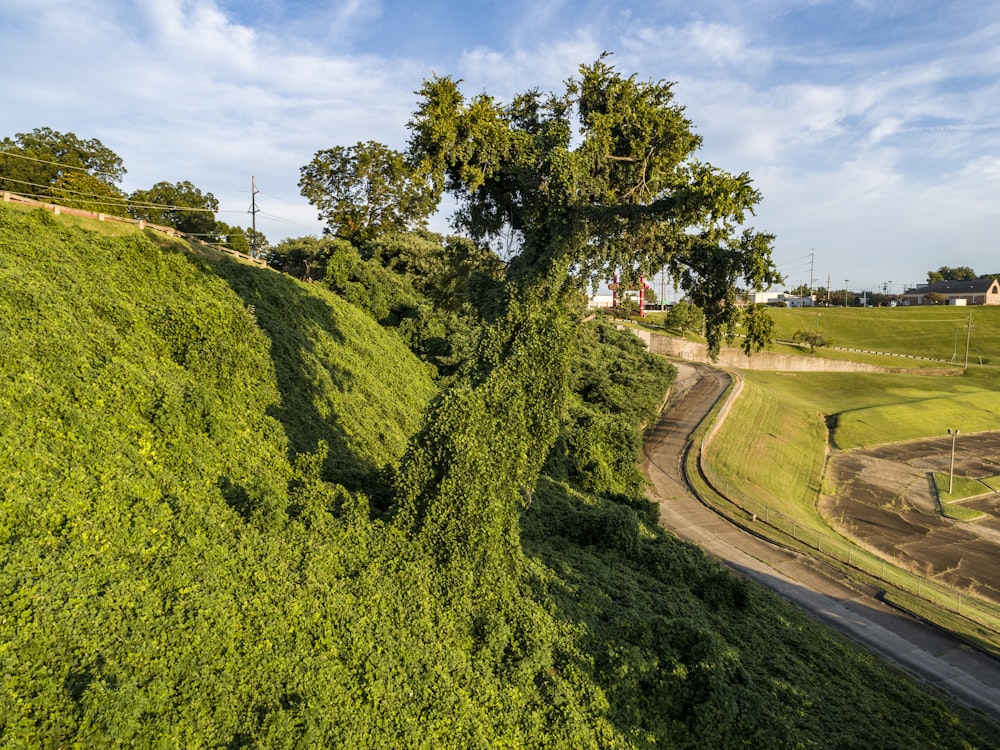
x: 975, y: 292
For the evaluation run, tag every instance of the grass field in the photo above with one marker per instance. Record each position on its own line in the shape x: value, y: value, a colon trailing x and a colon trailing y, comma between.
x: 962, y: 488
x: 773, y: 444
x: 924, y: 336
x: 939, y: 333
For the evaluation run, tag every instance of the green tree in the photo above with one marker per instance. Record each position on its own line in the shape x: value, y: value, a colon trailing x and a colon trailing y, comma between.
x: 82, y: 190
x: 33, y: 163
x: 366, y: 190
x: 304, y: 258
x: 945, y: 273
x: 180, y: 205
x: 235, y: 238
x: 628, y: 307
x: 813, y: 339
x: 623, y: 190
x: 455, y: 273
x: 241, y: 240
x: 685, y: 317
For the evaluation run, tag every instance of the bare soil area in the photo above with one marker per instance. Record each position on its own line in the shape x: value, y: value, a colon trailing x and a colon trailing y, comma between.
x: 884, y: 498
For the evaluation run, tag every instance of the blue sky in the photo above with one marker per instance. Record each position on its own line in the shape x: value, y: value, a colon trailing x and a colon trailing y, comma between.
x: 872, y: 128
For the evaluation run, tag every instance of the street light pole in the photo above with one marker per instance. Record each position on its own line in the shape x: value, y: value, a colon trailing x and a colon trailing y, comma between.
x: 845, y: 292
x: 951, y: 472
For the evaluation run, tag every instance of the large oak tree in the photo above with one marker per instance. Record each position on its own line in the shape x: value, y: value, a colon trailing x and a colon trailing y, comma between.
x: 573, y: 187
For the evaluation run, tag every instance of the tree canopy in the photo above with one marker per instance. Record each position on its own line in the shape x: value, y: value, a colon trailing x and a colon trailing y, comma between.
x: 945, y: 273
x: 366, y: 190
x: 180, y: 205
x: 84, y: 191
x: 599, y: 179
x: 33, y: 163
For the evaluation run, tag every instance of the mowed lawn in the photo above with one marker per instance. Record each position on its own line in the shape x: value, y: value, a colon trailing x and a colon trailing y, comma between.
x: 941, y: 332
x: 773, y: 443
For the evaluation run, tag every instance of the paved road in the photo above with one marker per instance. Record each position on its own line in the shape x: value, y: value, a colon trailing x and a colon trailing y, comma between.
x: 967, y: 674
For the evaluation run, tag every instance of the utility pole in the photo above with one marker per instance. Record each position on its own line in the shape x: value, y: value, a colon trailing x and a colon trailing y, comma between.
x: 845, y: 292
x: 968, y: 336
x: 253, y: 213
x: 812, y: 264
x: 951, y: 472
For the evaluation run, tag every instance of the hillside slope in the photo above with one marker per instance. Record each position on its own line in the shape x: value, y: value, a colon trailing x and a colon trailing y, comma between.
x: 198, y: 549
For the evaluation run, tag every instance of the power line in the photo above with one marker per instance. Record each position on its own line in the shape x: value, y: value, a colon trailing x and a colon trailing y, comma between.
x: 106, y: 200
x: 54, y: 163
x: 124, y: 201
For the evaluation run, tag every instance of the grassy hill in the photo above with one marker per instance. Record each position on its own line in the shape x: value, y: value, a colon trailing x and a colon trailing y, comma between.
x: 780, y: 459
x: 939, y: 332
x: 198, y: 549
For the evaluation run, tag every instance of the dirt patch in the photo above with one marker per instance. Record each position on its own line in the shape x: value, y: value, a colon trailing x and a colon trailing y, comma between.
x: 884, y: 498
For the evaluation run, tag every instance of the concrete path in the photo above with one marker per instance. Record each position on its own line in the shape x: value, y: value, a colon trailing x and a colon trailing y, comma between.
x: 970, y: 676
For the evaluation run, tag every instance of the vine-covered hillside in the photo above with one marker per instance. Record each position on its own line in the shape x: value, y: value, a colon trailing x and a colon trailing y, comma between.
x: 199, y: 547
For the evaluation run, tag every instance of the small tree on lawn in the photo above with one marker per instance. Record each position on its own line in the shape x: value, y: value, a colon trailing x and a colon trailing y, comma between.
x: 812, y: 339
x: 685, y: 317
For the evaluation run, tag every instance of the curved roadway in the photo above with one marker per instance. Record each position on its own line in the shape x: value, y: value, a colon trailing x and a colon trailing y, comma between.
x: 970, y: 676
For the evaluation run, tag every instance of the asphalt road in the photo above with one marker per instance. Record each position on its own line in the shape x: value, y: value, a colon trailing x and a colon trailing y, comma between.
x: 945, y: 662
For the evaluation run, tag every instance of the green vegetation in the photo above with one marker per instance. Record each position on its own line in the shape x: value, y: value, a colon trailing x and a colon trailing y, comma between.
x: 398, y: 506
x: 813, y: 339
x: 615, y: 387
x: 197, y: 552
x: 367, y: 190
x: 935, y: 332
x: 917, y: 407
x: 780, y: 461
x: 61, y: 168
x: 428, y: 289
x: 684, y: 317
x: 962, y: 488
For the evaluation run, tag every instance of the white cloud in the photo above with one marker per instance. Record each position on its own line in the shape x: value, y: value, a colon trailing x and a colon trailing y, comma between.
x: 872, y: 135
x: 720, y: 42
x: 506, y: 73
